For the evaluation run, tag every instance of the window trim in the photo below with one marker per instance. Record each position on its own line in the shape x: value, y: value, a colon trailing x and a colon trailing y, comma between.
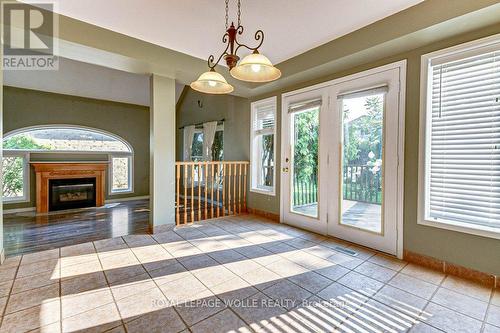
x: 131, y: 177
x: 26, y: 177
x: 267, y: 190
x: 479, y: 46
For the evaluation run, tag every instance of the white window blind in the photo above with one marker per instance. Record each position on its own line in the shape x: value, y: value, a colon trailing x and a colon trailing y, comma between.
x: 463, y: 173
x: 263, y: 120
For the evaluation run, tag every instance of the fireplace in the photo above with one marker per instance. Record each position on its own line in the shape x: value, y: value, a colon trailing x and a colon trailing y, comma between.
x: 64, y: 185
x: 72, y: 193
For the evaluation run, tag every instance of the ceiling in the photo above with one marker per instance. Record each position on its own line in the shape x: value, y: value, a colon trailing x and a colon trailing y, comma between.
x: 93, y: 82
x: 195, y: 27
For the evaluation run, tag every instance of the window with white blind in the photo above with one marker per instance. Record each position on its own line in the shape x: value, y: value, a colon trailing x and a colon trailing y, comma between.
x: 263, y: 146
x: 460, y: 138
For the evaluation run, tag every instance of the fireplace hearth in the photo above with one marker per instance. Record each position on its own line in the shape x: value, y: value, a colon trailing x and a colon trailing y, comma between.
x: 72, y: 193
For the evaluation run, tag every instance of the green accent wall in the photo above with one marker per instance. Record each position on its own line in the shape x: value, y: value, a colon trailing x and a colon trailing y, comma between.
x: 476, y: 252
x: 24, y: 107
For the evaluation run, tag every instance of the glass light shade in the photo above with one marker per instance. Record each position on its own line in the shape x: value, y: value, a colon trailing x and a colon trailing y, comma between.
x: 212, y: 82
x: 255, y: 68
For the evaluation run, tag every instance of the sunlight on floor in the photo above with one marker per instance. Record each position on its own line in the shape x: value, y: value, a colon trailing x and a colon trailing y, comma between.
x: 237, y: 274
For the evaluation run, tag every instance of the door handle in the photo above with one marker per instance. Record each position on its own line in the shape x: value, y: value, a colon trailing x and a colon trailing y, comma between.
x: 285, y: 169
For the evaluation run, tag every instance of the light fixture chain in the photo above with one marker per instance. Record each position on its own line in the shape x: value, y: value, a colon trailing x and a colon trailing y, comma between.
x: 239, y: 13
x: 227, y: 14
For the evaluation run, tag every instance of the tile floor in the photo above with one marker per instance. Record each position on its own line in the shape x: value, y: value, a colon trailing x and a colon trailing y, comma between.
x: 238, y: 274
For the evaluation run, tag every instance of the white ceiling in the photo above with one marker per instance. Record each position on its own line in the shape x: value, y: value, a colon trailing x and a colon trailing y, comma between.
x: 87, y: 80
x: 195, y: 27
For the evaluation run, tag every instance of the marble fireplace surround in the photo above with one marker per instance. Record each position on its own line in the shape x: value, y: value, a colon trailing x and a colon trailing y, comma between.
x: 63, y: 170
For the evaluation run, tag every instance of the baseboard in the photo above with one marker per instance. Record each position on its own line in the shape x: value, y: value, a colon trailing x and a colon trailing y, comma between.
x: 19, y: 210
x: 486, y: 279
x: 271, y: 216
x: 142, y: 197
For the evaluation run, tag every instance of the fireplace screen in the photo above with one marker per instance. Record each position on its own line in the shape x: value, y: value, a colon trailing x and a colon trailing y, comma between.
x: 71, y: 193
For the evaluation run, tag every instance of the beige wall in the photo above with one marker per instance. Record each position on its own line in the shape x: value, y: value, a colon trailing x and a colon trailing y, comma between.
x: 23, y: 108
x: 476, y: 252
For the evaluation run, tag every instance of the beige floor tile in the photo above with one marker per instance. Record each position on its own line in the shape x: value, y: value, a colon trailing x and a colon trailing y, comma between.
x: 183, y: 289
x: 139, y: 304
x: 224, y: 321
x: 414, y: 286
x: 226, y: 256
x: 196, y: 262
x: 361, y: 283
x: 311, y: 281
x: 39, y: 267
x: 212, y: 276
x: 77, y: 250
x: 286, y: 268
x: 424, y: 328
x: 200, y: 306
x: 78, y: 259
x: 165, y: 320
x: 32, y: 318
x: 51, y: 328
x: 32, y: 298
x: 491, y: 329
x: 119, y: 260
x: 468, y: 288
x: 261, y: 278
x: 5, y: 288
x: 259, y: 311
x: 40, y: 256
x: 388, y: 261
x: 139, y: 240
x: 83, y: 283
x: 375, y: 271
x: 242, y: 267
x: 111, y: 244
x: 234, y: 290
x: 333, y: 271
x: 33, y: 282
x: 401, y: 300
x: 423, y: 273
x: 74, y: 270
x: 167, y: 237
x: 10, y: 262
x: 125, y: 290
x: 493, y: 315
x: 334, y: 292
x: 168, y: 273
x: 451, y: 321
x: 98, y: 319
x: 460, y: 303
x: 117, y: 275
x: 85, y: 301
x: 345, y: 260
x: 7, y: 273
x: 495, y: 299
x: 288, y: 294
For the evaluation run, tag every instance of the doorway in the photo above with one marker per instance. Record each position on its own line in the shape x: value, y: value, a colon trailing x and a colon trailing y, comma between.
x: 342, y: 165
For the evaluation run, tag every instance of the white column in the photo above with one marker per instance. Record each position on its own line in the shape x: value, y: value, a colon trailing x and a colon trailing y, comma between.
x: 162, y: 154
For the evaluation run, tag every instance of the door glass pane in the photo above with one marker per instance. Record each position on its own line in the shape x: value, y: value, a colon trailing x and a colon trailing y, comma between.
x: 305, y: 147
x: 362, y: 156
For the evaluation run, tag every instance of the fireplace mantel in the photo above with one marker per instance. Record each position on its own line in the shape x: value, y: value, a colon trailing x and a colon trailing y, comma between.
x: 63, y: 170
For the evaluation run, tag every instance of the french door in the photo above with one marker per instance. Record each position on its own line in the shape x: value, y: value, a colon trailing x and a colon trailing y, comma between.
x: 340, y: 159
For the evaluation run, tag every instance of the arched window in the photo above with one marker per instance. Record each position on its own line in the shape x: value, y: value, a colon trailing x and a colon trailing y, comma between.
x: 20, y: 143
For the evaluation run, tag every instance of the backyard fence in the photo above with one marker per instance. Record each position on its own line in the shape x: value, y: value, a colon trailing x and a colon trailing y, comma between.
x: 360, y: 183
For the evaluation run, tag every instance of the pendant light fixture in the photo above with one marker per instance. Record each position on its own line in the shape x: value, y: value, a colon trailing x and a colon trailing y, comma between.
x: 254, y: 67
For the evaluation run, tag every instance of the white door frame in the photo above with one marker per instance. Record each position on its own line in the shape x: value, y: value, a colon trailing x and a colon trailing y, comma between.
x: 401, y: 65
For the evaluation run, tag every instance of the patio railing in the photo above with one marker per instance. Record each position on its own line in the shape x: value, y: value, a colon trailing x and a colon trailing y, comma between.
x: 360, y: 183
x: 206, y: 190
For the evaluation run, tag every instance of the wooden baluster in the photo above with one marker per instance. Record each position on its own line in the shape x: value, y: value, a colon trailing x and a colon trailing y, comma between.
x: 234, y: 188
x: 185, y: 192
x: 245, y: 189
x: 223, y: 181
x: 219, y: 170
x: 206, y: 192
x: 212, y: 178
x: 192, y: 193
x: 229, y: 189
x: 200, y: 173
x: 239, y: 188
x: 177, y: 203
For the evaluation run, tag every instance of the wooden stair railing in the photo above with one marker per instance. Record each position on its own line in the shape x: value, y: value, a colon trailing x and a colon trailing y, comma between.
x: 206, y: 190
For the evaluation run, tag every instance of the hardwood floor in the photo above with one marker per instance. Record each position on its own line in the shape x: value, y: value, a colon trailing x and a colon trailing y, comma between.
x: 28, y: 232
